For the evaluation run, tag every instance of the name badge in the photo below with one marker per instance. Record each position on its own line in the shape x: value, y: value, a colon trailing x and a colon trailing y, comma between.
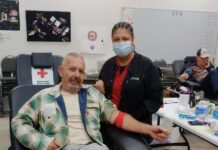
x: 135, y: 78
x: 49, y: 110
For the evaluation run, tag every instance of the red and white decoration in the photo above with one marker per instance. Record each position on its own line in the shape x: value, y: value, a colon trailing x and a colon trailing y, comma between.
x: 42, y: 76
x: 93, y: 39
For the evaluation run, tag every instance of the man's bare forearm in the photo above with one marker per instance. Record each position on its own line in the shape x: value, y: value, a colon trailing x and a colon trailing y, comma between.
x: 131, y: 124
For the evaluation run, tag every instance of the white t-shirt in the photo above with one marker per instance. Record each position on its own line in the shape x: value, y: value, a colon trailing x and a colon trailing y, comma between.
x: 76, y: 128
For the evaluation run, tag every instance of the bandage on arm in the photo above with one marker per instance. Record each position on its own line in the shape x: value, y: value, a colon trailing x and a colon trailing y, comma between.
x: 119, y: 119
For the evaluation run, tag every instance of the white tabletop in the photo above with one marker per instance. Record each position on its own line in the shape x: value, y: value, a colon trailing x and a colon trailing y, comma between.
x: 169, y: 111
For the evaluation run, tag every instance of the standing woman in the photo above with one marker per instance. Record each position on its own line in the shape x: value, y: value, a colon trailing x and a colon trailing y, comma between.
x: 133, y: 84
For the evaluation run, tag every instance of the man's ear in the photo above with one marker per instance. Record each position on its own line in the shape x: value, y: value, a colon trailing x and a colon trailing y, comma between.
x: 60, y: 70
x: 85, y: 75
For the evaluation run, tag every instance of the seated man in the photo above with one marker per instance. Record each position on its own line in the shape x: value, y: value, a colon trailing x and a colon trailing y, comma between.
x: 203, y: 73
x: 67, y: 116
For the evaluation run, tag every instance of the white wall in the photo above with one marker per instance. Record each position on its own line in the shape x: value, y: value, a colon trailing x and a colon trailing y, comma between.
x: 102, y: 13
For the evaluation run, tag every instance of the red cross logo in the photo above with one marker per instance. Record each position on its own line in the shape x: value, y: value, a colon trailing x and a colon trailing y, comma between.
x: 92, y: 35
x: 42, y: 73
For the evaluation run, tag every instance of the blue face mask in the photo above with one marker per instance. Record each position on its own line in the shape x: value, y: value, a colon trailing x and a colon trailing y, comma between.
x: 122, y: 49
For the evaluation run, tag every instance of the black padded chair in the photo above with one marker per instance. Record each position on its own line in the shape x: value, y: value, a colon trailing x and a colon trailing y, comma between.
x: 160, y: 62
x: 18, y: 96
x: 9, y: 71
x: 36, y: 60
x: 165, y: 72
x: 1, y: 101
x: 178, y: 68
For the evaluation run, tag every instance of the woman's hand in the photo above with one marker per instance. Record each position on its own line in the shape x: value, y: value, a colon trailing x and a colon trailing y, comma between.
x: 100, y: 86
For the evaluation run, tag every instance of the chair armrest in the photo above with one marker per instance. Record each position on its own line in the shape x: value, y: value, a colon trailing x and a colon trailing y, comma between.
x: 189, y: 83
x: 192, y: 83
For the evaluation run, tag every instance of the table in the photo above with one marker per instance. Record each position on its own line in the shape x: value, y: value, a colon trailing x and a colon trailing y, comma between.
x: 169, y: 112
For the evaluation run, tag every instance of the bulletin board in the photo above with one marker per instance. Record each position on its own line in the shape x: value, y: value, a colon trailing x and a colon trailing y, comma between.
x: 172, y: 34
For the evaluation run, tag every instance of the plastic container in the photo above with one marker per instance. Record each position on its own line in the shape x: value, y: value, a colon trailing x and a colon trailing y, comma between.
x: 201, y: 110
x: 184, y: 96
x: 184, y: 99
x: 199, y: 95
x: 215, y: 113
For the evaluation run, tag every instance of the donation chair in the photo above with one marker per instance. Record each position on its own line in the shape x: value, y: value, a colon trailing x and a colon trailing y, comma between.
x: 1, y: 101
x: 9, y: 72
x: 38, y: 69
x: 18, y: 96
x: 165, y: 72
x: 178, y: 68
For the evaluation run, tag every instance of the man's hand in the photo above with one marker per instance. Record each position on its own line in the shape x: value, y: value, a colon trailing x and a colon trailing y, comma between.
x: 54, y: 145
x: 130, y: 124
x: 183, y: 77
x: 100, y: 86
x: 158, y: 133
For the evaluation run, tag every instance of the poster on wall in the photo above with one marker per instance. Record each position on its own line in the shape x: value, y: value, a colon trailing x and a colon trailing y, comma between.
x: 9, y: 15
x: 48, y: 26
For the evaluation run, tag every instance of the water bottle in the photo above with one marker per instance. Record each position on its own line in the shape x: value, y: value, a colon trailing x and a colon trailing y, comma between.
x: 201, y: 110
x: 215, y: 113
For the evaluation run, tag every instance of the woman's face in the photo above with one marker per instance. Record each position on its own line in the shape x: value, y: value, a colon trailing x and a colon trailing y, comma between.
x: 122, y: 35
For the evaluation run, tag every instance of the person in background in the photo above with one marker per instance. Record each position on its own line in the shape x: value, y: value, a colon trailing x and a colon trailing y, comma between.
x: 133, y: 84
x: 67, y: 116
x: 203, y: 73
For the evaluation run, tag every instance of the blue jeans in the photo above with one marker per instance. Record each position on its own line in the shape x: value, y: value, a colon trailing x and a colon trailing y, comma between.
x: 210, y: 84
x: 118, y: 139
x: 91, y: 146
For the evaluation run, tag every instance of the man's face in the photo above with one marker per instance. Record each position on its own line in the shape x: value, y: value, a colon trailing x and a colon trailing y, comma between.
x: 72, y: 73
x: 202, y: 62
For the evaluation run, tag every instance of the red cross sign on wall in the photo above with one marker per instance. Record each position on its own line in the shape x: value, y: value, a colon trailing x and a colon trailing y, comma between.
x: 42, y: 73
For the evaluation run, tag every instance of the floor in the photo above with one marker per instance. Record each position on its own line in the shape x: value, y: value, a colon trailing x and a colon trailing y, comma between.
x: 195, y: 142
x: 4, y: 133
